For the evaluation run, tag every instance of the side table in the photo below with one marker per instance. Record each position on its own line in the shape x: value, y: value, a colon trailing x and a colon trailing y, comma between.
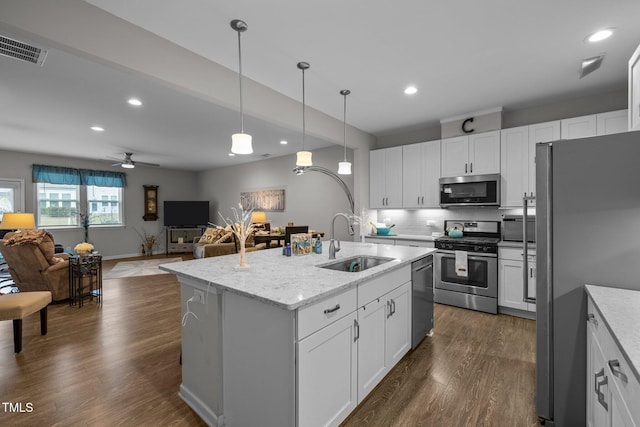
x: 85, y: 278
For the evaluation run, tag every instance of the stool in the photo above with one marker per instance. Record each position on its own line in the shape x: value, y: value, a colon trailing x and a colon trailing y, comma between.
x: 17, y: 306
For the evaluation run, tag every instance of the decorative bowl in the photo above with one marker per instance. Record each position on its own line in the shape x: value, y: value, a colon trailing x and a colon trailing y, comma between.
x: 383, y: 231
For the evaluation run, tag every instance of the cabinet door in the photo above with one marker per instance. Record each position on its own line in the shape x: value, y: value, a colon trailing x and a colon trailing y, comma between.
x: 540, y: 132
x: 430, y: 174
x: 619, y: 412
x: 454, y: 155
x: 597, y: 409
x: 377, y: 168
x: 412, y: 160
x: 634, y: 90
x: 372, y: 366
x: 484, y: 153
x: 510, y: 285
x: 393, y: 177
x: 398, y: 326
x: 612, y: 122
x: 327, y: 374
x: 578, y: 127
x: 514, y: 165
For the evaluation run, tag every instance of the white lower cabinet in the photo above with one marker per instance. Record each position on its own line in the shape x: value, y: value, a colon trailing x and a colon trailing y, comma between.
x: 327, y: 374
x: 339, y: 364
x: 511, y: 289
x: 613, y: 391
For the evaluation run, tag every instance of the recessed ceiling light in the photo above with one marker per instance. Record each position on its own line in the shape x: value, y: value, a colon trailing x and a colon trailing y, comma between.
x: 600, y: 35
x: 284, y: 142
x: 410, y: 90
x: 231, y: 154
x: 135, y: 102
x: 97, y: 129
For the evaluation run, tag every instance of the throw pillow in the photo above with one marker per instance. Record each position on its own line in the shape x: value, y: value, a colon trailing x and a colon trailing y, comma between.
x: 209, y: 236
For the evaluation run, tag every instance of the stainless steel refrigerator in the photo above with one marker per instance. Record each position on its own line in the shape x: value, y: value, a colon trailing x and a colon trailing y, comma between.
x: 587, y: 232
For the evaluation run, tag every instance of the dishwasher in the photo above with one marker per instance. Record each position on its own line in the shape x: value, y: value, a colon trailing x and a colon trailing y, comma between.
x: 421, y: 299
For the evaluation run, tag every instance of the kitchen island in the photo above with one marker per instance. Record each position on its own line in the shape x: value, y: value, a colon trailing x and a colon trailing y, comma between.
x: 286, y: 342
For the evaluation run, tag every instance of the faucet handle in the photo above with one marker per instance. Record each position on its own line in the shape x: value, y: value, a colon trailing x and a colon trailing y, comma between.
x: 337, y: 248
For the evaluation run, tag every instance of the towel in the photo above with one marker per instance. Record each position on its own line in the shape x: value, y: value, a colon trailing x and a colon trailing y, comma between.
x: 461, y: 263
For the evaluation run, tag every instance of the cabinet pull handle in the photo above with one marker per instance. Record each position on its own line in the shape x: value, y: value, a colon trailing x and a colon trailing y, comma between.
x: 614, y: 365
x: 598, y: 384
x: 331, y: 310
x: 389, y: 313
x: 356, y: 326
x: 393, y: 307
x: 418, y: 202
x: 423, y: 200
x: 592, y: 318
x: 471, y: 167
x: 465, y: 168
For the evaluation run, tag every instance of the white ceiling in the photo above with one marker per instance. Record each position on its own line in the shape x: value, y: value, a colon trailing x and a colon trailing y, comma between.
x: 463, y: 56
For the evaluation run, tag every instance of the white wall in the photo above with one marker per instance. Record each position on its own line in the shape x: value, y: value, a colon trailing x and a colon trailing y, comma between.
x: 110, y: 241
x: 310, y: 199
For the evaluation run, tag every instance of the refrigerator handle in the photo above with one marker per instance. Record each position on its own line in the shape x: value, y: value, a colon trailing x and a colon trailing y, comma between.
x: 525, y: 250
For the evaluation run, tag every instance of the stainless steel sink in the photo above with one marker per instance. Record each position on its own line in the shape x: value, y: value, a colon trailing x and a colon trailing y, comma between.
x: 356, y: 263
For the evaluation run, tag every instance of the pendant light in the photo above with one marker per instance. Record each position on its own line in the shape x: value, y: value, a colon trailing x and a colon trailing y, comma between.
x: 344, y: 167
x: 240, y: 142
x: 303, y: 158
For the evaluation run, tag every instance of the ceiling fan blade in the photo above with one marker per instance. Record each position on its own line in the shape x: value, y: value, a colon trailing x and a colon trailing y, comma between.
x: 136, y: 162
x: 117, y: 164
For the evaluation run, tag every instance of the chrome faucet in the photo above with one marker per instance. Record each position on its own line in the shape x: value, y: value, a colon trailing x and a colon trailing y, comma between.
x: 332, y: 246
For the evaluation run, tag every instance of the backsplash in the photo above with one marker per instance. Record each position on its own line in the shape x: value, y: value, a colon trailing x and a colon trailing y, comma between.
x: 415, y: 221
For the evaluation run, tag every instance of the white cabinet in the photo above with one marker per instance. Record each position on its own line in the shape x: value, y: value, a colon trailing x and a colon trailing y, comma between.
x: 517, y: 160
x: 634, y: 91
x: 398, y: 324
x: 612, y: 122
x: 327, y: 374
x: 613, y: 391
x: 420, y: 173
x: 385, y: 178
x: 475, y: 154
x: 594, y: 125
x: 511, y: 289
x: 578, y: 127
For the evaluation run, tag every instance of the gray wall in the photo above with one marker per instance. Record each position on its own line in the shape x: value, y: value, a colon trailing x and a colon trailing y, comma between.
x: 310, y: 199
x: 116, y: 241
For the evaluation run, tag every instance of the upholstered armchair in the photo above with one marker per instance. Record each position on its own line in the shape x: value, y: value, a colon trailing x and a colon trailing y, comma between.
x: 32, y: 264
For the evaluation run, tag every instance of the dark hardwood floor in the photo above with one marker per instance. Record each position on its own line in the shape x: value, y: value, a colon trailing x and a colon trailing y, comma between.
x: 117, y: 364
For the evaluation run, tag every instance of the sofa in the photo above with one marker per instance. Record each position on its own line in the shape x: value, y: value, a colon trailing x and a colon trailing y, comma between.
x: 217, y: 242
x: 33, y: 263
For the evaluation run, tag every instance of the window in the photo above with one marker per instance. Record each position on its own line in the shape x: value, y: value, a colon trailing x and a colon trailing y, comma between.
x: 64, y: 193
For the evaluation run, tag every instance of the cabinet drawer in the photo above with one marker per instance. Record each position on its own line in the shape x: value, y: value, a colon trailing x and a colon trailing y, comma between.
x: 379, y: 286
x: 515, y: 254
x: 181, y: 247
x: 322, y: 313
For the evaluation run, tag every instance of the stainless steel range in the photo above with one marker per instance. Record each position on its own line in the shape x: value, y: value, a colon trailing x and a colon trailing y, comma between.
x: 466, y: 268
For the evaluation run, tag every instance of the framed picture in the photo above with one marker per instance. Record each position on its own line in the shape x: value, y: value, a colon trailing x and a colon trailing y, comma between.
x: 263, y: 200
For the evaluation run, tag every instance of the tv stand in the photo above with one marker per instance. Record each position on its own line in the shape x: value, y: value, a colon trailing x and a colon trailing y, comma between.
x: 180, y: 239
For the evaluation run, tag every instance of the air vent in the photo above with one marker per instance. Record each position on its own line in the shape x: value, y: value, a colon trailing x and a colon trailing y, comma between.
x: 22, y: 51
x: 589, y: 65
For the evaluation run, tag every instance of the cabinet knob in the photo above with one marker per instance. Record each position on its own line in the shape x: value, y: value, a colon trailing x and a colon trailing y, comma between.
x: 614, y: 365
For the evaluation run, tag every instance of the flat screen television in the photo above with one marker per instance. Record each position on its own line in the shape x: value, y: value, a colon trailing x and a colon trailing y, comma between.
x: 186, y: 213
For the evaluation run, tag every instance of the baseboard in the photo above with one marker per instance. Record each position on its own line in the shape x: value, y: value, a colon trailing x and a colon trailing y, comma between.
x: 200, y: 408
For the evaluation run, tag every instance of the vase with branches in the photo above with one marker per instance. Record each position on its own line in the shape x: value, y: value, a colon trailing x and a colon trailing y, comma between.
x: 85, y: 220
x: 242, y: 227
x: 149, y: 241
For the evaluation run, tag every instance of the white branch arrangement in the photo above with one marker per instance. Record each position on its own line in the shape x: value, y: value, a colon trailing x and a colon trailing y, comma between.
x: 241, y: 226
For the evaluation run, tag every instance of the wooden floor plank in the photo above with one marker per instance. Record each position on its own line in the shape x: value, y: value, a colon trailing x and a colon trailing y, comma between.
x: 117, y: 364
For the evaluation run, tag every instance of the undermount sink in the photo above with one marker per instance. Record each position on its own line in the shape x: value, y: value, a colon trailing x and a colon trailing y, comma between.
x: 357, y: 263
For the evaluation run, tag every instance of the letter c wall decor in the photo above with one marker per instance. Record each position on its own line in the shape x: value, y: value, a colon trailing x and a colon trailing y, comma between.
x: 464, y: 125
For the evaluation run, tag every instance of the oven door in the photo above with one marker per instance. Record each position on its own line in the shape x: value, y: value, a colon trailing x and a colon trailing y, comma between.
x: 482, y: 278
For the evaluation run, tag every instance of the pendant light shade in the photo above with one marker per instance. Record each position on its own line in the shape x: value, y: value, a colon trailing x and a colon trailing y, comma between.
x: 303, y: 158
x: 240, y: 142
x: 344, y: 167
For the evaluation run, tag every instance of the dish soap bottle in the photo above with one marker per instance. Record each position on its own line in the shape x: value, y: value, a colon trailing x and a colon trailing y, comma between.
x: 318, y: 247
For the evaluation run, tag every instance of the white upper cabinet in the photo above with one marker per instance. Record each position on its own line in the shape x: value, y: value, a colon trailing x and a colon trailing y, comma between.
x: 612, y: 122
x: 420, y: 173
x: 514, y: 165
x: 385, y: 178
x: 579, y: 127
x: 634, y: 91
x: 475, y: 154
x: 540, y: 132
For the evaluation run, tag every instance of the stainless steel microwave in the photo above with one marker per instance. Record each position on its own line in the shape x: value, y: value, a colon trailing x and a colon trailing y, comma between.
x: 470, y: 190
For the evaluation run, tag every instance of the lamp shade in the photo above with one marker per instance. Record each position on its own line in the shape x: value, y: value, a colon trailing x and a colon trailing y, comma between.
x: 17, y: 221
x: 303, y: 158
x: 258, y: 217
x: 344, y: 168
x: 241, y: 143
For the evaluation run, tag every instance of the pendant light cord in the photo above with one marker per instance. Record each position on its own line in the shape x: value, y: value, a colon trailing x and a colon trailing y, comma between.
x: 344, y: 129
x: 240, y: 78
x: 303, y: 108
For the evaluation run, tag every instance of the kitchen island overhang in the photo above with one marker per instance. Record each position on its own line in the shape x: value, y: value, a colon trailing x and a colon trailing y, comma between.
x: 241, y: 347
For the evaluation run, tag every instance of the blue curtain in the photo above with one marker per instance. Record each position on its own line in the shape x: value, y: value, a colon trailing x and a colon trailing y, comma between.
x: 70, y: 176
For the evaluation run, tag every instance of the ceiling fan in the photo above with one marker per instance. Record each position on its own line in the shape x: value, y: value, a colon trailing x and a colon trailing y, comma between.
x: 128, y: 163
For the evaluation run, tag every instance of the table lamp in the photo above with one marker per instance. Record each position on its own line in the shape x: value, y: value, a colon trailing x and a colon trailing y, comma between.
x: 17, y: 221
x: 258, y: 217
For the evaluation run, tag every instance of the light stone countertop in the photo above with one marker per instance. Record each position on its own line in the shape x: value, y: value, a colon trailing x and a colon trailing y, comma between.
x: 620, y: 309
x: 422, y: 237
x: 295, y: 281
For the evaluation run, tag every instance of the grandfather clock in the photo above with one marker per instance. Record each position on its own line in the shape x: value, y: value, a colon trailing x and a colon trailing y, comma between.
x: 150, y: 202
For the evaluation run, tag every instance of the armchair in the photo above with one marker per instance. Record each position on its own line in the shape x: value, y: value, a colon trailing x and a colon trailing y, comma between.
x: 32, y: 265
